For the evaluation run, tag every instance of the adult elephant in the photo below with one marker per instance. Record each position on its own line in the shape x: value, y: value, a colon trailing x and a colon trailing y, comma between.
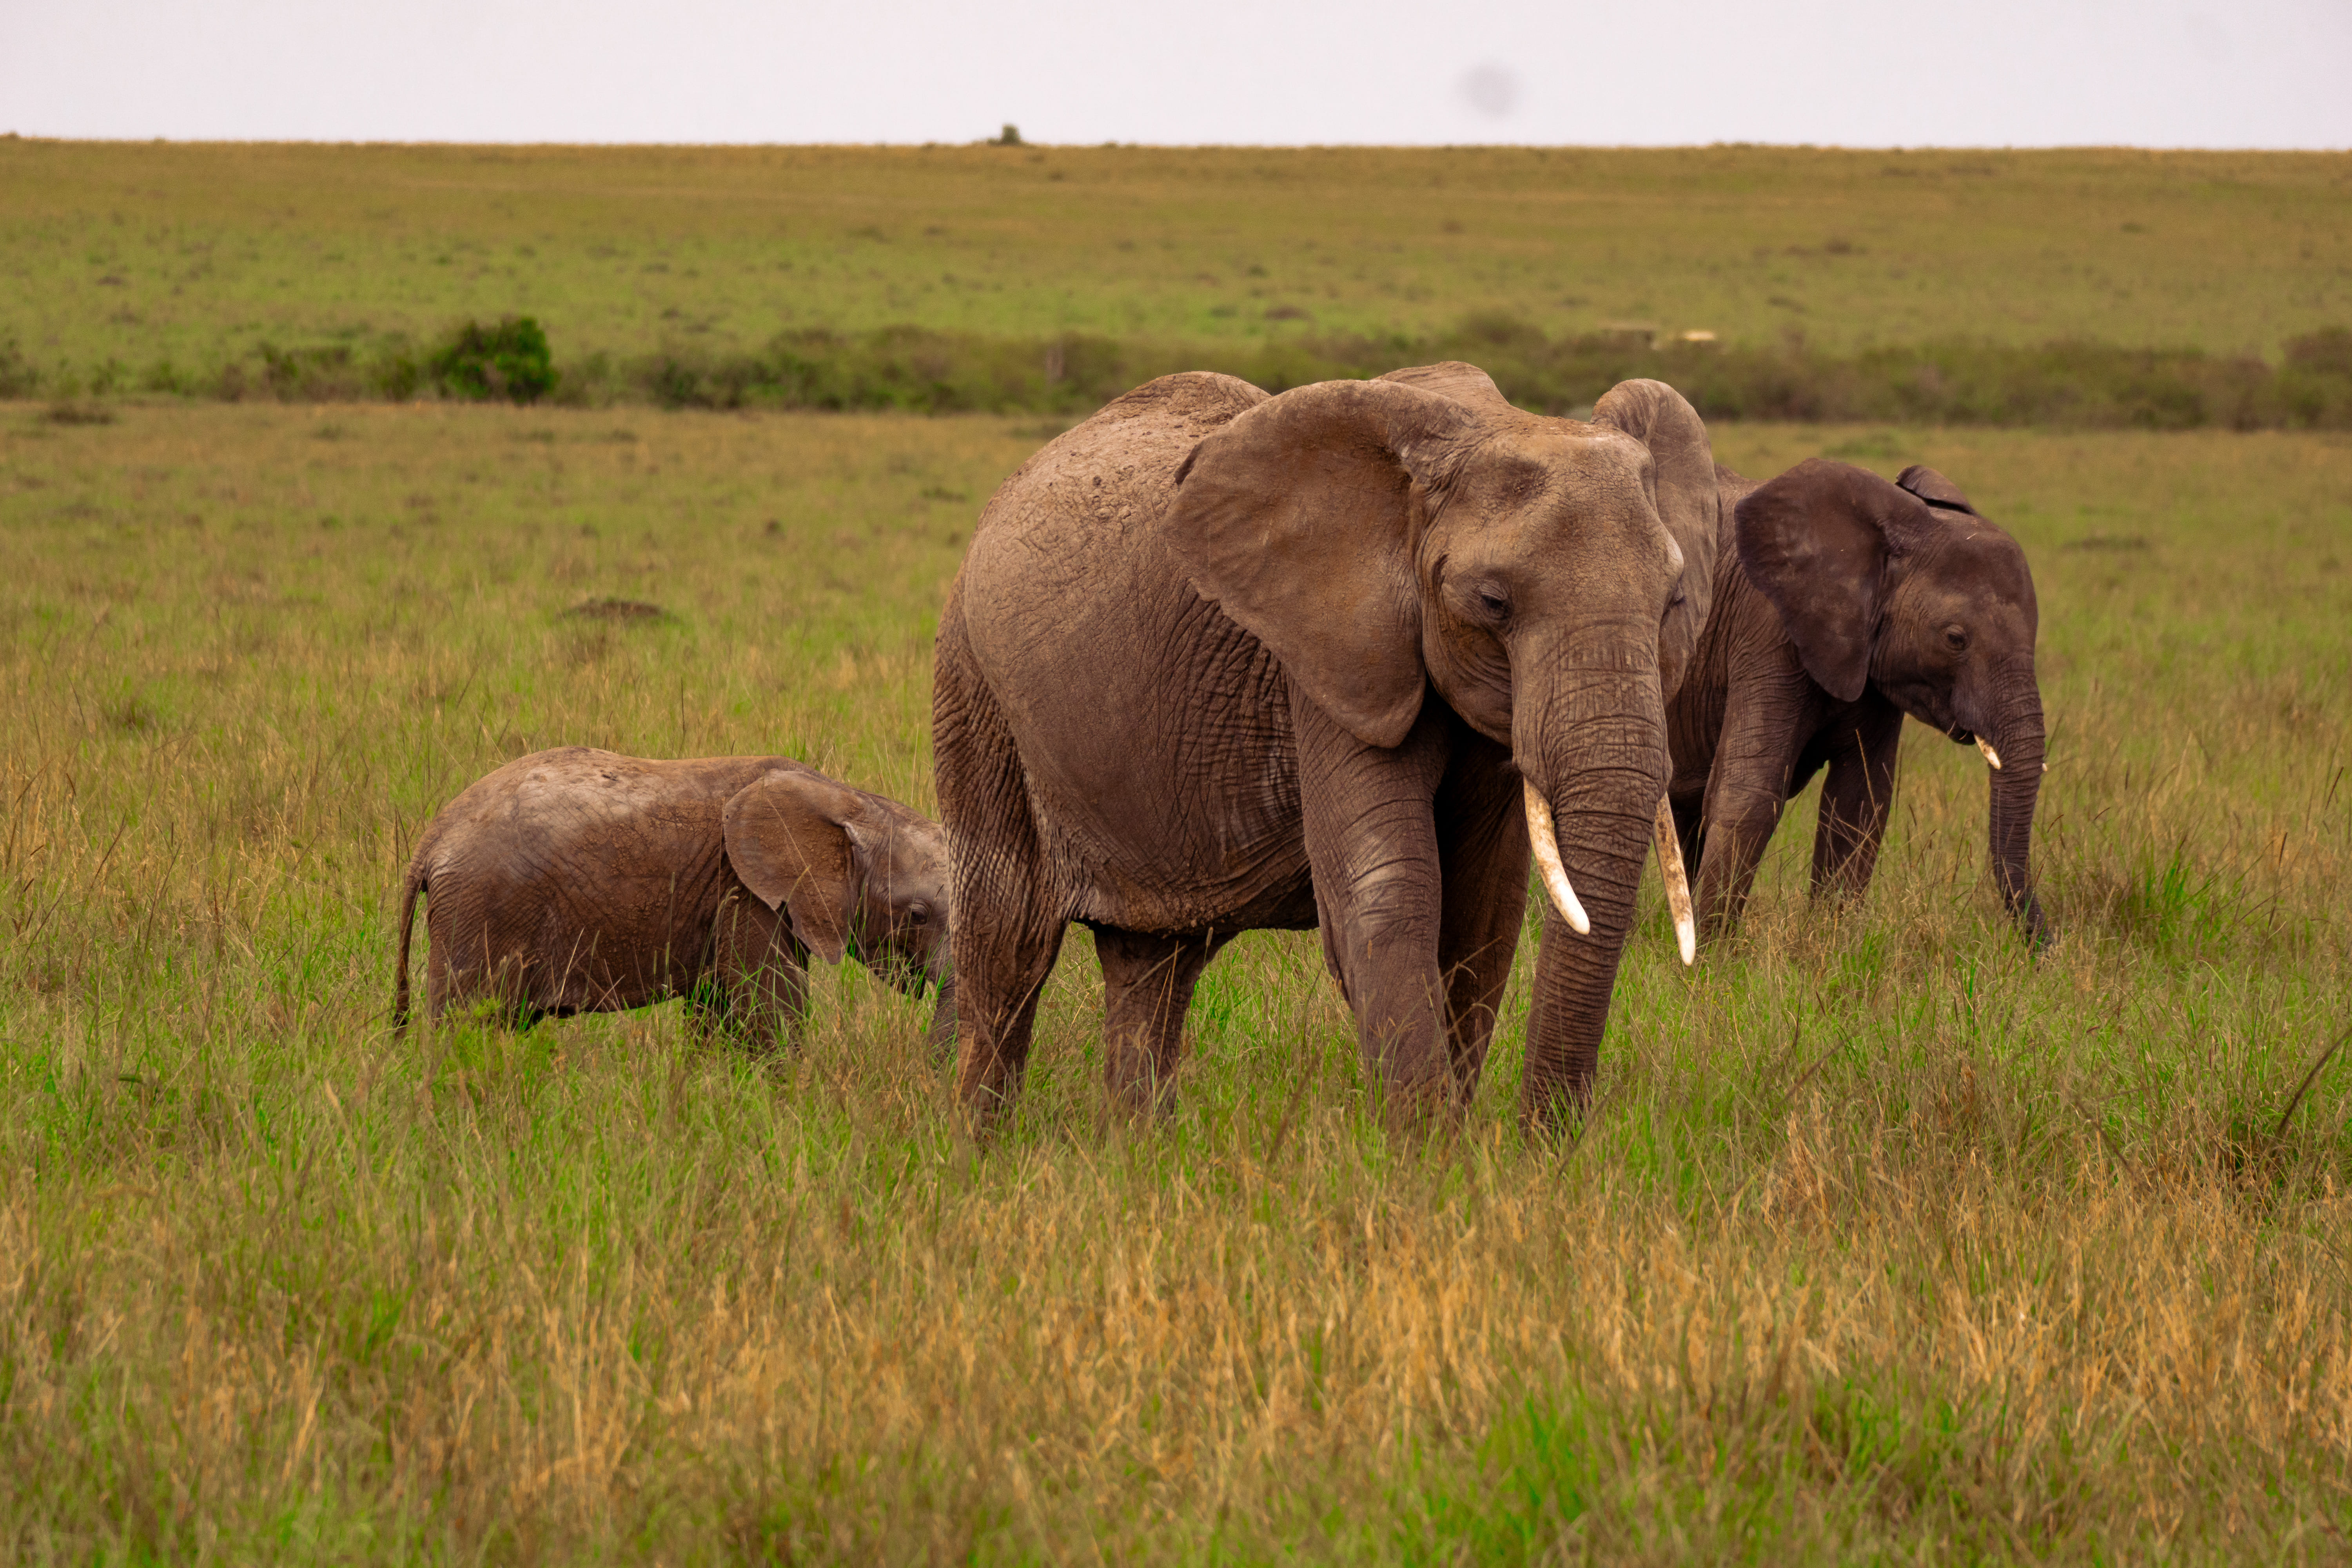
x: 1842, y: 603
x: 1218, y: 661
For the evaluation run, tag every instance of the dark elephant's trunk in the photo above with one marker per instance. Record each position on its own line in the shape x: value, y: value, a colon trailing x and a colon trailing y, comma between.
x: 2017, y: 734
x: 1598, y: 754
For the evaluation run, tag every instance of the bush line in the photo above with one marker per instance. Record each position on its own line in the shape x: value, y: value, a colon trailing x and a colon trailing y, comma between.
x: 2067, y: 383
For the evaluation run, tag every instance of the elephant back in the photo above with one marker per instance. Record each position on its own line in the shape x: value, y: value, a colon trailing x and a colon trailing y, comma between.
x: 1141, y: 437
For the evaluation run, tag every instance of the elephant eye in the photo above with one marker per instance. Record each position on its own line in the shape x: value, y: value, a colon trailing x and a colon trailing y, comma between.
x: 1494, y: 603
x: 1956, y: 638
x: 920, y: 915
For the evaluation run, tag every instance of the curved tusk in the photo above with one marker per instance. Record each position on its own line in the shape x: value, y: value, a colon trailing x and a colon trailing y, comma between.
x: 1990, y: 755
x: 1546, y: 848
x: 1670, y: 867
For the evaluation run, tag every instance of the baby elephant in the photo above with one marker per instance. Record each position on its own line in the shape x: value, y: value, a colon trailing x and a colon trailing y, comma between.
x: 583, y: 882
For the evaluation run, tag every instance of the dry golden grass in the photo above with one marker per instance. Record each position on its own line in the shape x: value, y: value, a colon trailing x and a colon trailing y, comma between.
x: 1885, y: 1239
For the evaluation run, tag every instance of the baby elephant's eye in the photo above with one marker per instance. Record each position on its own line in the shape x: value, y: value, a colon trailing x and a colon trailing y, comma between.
x: 1956, y: 638
x: 920, y: 915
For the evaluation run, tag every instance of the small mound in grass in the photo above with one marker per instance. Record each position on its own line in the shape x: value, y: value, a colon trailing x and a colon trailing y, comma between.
x: 628, y: 610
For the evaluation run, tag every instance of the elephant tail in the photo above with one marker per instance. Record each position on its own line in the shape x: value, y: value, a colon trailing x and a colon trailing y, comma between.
x: 414, y: 885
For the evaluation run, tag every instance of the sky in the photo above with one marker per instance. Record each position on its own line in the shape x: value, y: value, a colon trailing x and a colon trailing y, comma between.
x: 2218, y: 73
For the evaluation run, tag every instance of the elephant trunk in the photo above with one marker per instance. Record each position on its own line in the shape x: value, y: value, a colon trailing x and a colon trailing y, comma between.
x: 1597, y: 757
x: 2016, y: 785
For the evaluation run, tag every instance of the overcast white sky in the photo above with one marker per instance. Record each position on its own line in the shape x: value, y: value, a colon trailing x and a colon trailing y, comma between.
x: 2216, y: 73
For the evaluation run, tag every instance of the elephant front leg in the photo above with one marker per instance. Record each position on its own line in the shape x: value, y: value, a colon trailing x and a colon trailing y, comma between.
x: 1739, y: 827
x: 1148, y: 983
x: 1856, y: 797
x: 757, y: 988
x: 1768, y: 715
x: 1481, y: 845
x: 1372, y: 846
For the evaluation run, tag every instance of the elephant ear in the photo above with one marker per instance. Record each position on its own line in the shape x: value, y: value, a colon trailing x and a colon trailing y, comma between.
x: 1934, y: 488
x: 1663, y: 420
x: 1297, y: 519
x: 794, y: 839
x: 1464, y: 384
x: 1816, y: 541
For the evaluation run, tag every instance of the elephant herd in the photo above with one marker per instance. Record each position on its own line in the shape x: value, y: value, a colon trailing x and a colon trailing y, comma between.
x: 1347, y: 658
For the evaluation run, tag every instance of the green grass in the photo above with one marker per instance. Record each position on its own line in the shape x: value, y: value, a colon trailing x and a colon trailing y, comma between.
x: 131, y: 266
x: 1885, y: 1240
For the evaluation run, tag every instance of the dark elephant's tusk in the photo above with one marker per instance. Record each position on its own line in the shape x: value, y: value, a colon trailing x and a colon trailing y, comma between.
x: 1546, y: 848
x: 1678, y: 894
x: 1990, y: 755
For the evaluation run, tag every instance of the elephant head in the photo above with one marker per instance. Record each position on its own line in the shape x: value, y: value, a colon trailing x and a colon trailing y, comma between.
x: 850, y: 872
x: 1684, y: 489
x: 1906, y: 586
x: 1391, y: 539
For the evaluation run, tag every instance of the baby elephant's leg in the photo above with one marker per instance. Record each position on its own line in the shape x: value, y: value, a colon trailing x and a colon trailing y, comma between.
x: 757, y: 989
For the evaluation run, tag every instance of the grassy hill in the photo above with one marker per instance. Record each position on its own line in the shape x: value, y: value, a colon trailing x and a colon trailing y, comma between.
x: 158, y: 265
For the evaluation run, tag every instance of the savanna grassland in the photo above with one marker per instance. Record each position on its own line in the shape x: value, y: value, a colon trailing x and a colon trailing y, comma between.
x: 160, y: 267
x: 1887, y: 1239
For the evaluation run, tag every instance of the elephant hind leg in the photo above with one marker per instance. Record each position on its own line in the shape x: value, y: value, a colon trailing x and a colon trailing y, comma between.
x: 1008, y: 922
x: 496, y: 986
x: 1148, y: 983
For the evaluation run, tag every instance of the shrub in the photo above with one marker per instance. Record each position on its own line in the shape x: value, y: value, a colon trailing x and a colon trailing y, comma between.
x: 324, y: 374
x: 2069, y: 384
x: 393, y: 372
x: 2326, y: 352
x: 510, y: 360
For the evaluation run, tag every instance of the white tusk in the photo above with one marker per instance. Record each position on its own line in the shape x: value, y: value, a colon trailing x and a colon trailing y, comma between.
x: 1670, y: 867
x: 1546, y: 848
x: 1990, y: 755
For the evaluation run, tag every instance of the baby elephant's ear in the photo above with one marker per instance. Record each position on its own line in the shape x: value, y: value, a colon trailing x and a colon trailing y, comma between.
x: 788, y: 836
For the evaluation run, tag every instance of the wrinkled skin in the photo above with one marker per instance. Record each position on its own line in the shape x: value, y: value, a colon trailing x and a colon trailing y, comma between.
x: 1841, y: 603
x: 583, y: 882
x: 1218, y: 661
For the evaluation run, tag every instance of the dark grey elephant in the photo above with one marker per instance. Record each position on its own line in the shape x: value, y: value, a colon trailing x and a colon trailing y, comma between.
x: 584, y: 881
x: 1339, y: 658
x: 1841, y: 603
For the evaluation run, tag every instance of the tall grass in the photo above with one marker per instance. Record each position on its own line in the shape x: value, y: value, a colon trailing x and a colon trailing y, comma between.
x: 1887, y: 1238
